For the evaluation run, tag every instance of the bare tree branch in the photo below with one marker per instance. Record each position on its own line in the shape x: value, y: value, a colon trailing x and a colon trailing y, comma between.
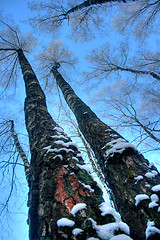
x: 20, y: 151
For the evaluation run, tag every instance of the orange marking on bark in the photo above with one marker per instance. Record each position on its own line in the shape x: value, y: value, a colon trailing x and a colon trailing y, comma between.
x: 74, y: 184
x: 61, y: 193
x: 69, y: 203
x: 76, y: 197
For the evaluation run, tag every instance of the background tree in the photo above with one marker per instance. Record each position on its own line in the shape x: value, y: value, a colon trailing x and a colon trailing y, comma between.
x: 130, y: 102
x: 88, y: 15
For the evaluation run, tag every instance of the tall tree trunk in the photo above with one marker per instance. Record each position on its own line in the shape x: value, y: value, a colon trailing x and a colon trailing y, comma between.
x: 58, y: 180
x: 127, y: 172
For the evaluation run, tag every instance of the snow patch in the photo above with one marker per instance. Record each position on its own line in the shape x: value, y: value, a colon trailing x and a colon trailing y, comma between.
x: 48, y: 147
x: 66, y: 166
x: 67, y: 145
x: 87, y: 186
x: 117, y: 146
x: 106, y: 209
x: 106, y: 232
x: 151, y: 230
x: 60, y: 149
x: 151, y: 174
x: 74, y: 158
x: 65, y: 222
x: 77, y: 231
x: 85, y: 167
x: 154, y: 198
x: 78, y: 207
x: 121, y: 237
x: 147, y: 185
x: 153, y: 204
x: 59, y: 137
x: 58, y: 129
x: 138, y: 178
x: 156, y: 188
x: 79, y: 155
x: 140, y: 197
x: 92, y: 238
x: 151, y: 164
x: 58, y: 155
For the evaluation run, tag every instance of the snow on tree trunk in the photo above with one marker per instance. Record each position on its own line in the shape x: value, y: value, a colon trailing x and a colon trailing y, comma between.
x: 64, y: 200
x: 121, y: 165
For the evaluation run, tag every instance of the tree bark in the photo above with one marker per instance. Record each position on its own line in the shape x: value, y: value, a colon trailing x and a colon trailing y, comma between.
x: 58, y: 180
x: 120, y: 165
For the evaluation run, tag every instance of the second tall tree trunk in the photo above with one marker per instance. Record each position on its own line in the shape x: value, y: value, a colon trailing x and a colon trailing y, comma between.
x: 127, y: 173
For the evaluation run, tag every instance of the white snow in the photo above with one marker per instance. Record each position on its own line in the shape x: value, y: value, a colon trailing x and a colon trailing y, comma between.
x: 66, y: 166
x: 59, y: 142
x: 117, y: 146
x: 138, y: 178
x: 108, y: 130
x: 60, y: 149
x: 48, y: 147
x: 154, y: 198
x: 113, y: 135
x: 140, y: 197
x: 87, y: 186
x: 58, y: 129
x: 153, y: 204
x: 156, y: 188
x: 78, y: 207
x: 147, y: 185
x: 151, y: 230
x: 121, y: 237
x: 79, y: 155
x: 151, y: 164
x: 59, y: 137
x: 106, y: 209
x: 92, y: 238
x: 85, y: 167
x: 158, y: 209
x: 67, y: 145
x: 77, y: 231
x: 58, y: 155
x: 106, y: 232
x: 85, y: 112
x: 151, y: 174
x: 74, y: 158
x: 65, y: 222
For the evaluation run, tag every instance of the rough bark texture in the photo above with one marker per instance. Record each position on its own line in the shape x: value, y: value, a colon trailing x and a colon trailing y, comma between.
x: 58, y: 179
x: 119, y: 168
